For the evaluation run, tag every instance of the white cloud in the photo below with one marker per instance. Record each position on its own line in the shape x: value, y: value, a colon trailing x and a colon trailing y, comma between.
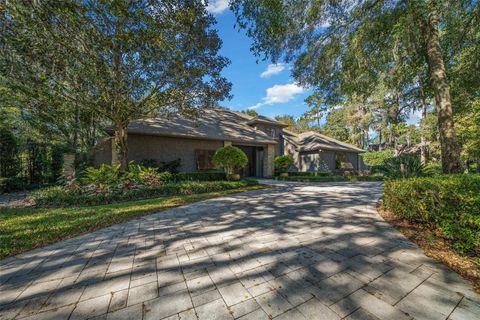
x: 273, y: 69
x: 217, y: 6
x: 279, y: 93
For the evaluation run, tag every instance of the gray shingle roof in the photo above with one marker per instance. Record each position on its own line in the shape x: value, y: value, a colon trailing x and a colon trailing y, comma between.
x: 313, y: 141
x: 211, y: 124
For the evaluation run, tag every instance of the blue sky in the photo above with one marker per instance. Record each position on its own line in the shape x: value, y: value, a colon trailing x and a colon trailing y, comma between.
x: 267, y: 88
x: 263, y: 86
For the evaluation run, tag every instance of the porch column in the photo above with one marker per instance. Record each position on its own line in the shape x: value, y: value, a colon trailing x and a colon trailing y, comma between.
x: 227, y: 143
x: 268, y: 156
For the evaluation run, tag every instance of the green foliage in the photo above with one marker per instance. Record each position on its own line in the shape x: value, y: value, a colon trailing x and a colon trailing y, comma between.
x: 58, y: 196
x: 330, y: 178
x: 282, y: 163
x: 8, y: 153
x: 200, y: 176
x: 308, y: 173
x: 127, y: 60
x: 377, y: 158
x: 432, y: 169
x: 451, y: 202
x: 230, y: 158
x: 392, y: 168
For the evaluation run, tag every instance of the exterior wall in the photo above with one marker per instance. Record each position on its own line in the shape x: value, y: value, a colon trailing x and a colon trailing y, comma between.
x: 327, y: 161
x: 268, y: 156
x: 166, y: 149
x: 278, y: 130
x: 141, y: 147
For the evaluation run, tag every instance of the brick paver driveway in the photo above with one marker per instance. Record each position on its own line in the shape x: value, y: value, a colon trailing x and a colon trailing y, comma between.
x: 296, y: 252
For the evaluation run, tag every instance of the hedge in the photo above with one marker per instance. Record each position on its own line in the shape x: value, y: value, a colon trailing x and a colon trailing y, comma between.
x: 200, y: 176
x: 330, y: 178
x: 58, y: 196
x: 308, y: 173
x: 450, y: 202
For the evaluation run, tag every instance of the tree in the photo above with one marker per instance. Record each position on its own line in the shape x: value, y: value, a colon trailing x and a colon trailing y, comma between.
x: 251, y: 113
x: 317, y: 108
x: 124, y: 60
x: 345, y: 48
x: 230, y: 158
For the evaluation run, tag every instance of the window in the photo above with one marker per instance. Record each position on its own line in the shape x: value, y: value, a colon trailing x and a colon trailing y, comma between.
x: 203, y: 158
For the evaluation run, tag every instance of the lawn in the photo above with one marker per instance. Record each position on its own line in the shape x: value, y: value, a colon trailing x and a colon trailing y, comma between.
x: 22, y: 229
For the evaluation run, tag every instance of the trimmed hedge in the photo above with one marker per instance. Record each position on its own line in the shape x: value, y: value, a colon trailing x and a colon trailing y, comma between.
x: 57, y: 196
x: 309, y: 173
x: 451, y: 202
x: 330, y: 178
x: 200, y: 176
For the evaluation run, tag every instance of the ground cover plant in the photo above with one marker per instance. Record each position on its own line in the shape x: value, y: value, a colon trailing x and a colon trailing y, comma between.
x: 23, y: 229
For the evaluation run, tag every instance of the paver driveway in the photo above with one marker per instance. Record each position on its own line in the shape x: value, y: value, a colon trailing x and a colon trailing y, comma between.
x: 296, y: 252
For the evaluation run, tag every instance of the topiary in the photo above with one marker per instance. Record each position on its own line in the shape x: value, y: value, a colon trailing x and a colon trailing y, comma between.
x: 282, y: 163
x: 230, y: 158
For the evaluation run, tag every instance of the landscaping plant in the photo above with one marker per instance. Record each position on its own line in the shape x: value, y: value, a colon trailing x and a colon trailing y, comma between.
x: 282, y: 163
x: 230, y: 158
x: 450, y: 202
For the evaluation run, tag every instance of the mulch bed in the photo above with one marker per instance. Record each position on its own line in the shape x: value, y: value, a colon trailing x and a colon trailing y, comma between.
x: 431, y: 240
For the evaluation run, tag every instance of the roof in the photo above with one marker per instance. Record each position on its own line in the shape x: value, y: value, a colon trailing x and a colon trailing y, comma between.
x: 211, y: 124
x: 267, y: 120
x: 313, y: 141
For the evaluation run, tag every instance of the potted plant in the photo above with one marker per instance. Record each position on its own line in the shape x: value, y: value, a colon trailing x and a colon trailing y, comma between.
x: 230, y: 158
x: 282, y: 163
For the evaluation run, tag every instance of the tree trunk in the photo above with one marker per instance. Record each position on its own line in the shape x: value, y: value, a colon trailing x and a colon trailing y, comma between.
x: 441, y: 89
x: 120, y: 155
x: 423, y: 140
x: 380, y: 139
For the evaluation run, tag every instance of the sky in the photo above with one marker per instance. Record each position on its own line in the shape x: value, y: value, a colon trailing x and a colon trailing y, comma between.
x: 265, y: 87
x: 260, y: 85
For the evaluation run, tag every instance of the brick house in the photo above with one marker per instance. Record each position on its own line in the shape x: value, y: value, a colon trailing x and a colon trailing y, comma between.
x: 195, y: 140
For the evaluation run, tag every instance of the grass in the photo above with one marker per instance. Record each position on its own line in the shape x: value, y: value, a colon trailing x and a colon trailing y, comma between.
x: 23, y: 229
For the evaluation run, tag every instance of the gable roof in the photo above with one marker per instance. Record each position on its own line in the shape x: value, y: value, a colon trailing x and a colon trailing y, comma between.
x: 313, y: 141
x: 211, y: 124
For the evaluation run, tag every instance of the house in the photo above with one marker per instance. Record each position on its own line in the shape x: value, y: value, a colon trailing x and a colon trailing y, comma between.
x: 195, y: 140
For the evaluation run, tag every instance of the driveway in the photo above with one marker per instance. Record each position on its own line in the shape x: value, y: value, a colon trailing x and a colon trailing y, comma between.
x: 299, y: 251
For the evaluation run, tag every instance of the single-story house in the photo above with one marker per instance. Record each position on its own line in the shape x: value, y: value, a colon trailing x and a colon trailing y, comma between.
x: 195, y: 140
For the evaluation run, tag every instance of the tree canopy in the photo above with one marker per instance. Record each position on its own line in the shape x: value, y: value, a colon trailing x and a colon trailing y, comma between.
x: 114, y: 60
x: 378, y: 59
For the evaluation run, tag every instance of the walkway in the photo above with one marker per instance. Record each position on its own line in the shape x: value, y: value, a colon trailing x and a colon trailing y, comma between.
x: 300, y: 251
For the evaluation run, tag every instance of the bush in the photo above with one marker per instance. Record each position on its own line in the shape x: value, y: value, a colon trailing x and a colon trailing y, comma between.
x: 309, y: 173
x: 451, y: 202
x: 201, y: 176
x: 58, y: 196
x: 230, y: 158
x: 412, y: 167
x: 330, y: 178
x: 432, y: 169
x: 282, y: 163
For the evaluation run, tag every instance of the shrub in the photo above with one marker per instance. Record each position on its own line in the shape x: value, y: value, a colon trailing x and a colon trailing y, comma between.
x: 432, y: 169
x: 330, y: 178
x: 230, y: 158
x: 412, y: 167
x: 309, y: 173
x: 282, y: 163
x: 201, y: 176
x: 451, y: 202
x: 57, y: 196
